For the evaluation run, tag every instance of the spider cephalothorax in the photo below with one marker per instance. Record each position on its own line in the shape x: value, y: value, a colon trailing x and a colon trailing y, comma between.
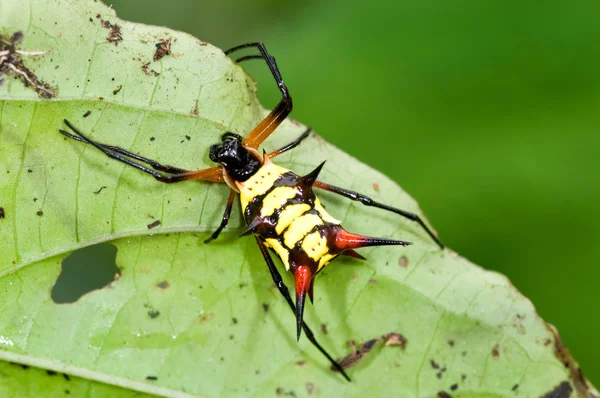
x: 239, y: 162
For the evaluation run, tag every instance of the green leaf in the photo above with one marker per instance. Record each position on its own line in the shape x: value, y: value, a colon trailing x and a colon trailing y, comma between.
x: 189, y: 319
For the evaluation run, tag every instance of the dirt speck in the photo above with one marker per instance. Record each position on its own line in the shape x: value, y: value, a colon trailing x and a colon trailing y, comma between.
x: 114, y: 35
x: 2, y: 215
x: 443, y: 394
x: 100, y: 190
x: 376, y: 187
x: 153, y: 314
x: 162, y: 285
x: 206, y: 317
x: 265, y: 307
x: 194, y: 110
x: 86, y: 114
x: 301, y: 363
x: 324, y: 328
x: 117, y: 89
x: 40, y: 213
x: 496, y: 351
x: 151, y: 378
x: 149, y: 72
x: 153, y: 224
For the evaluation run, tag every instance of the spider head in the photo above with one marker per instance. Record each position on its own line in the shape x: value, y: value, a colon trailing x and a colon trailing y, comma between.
x: 234, y: 157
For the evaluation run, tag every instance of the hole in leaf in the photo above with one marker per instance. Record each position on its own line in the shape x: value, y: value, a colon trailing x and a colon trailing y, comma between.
x: 84, y: 270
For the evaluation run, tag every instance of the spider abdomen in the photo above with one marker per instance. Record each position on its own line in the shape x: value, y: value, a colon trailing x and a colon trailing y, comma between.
x: 280, y: 207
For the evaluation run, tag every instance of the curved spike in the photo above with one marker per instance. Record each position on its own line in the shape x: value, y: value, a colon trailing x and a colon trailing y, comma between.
x: 345, y: 240
x: 354, y: 254
x: 303, y: 276
x: 309, y: 179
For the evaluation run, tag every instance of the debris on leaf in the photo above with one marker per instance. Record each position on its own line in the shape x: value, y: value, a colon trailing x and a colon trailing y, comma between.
x: 163, y: 48
x: 115, y: 35
x: 11, y: 64
x: 364, y: 349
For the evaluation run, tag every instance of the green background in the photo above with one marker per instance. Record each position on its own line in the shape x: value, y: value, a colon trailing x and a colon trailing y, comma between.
x: 485, y: 112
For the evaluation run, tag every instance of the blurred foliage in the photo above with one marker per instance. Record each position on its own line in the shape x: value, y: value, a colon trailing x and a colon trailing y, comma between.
x: 500, y: 99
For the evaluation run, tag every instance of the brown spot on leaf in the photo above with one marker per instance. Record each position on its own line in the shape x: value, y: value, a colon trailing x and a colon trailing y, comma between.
x: 496, y: 351
x: 376, y: 187
x: 301, y: 363
x: 194, y: 112
x: 403, y: 262
x: 265, y: 307
x: 162, y: 285
x: 206, y: 317
x: 310, y: 387
x: 114, y: 34
x: 324, y: 328
x: 443, y: 394
x: 163, y: 47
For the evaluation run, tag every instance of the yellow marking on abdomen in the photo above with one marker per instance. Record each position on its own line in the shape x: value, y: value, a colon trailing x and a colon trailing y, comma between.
x: 324, y: 260
x: 259, y: 183
x: 324, y: 215
x: 299, y: 228
x: 276, y: 199
x: 289, y: 214
x: 281, y: 251
x: 315, y: 245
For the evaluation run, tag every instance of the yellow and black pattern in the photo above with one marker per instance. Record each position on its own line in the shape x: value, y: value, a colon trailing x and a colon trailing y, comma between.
x: 280, y: 207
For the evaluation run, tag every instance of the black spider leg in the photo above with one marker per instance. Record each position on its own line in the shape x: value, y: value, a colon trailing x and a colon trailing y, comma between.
x: 291, y: 145
x: 365, y: 200
x: 281, y: 111
x: 124, y: 156
x: 286, y: 294
x: 225, y: 219
x: 154, y: 164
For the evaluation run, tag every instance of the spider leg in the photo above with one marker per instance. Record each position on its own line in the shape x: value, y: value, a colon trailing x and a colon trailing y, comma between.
x: 174, y: 174
x: 291, y: 145
x: 286, y: 294
x: 225, y: 219
x: 365, y: 200
x: 260, y: 133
